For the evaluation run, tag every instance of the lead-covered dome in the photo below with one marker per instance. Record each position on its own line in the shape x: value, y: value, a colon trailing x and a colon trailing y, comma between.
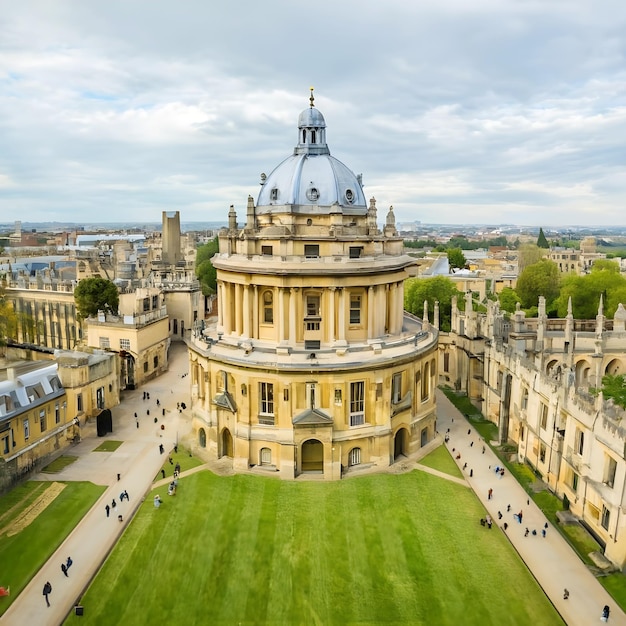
x: 311, y: 180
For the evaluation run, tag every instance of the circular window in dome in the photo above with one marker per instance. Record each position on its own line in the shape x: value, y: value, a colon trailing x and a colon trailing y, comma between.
x: 312, y: 194
x: 349, y: 196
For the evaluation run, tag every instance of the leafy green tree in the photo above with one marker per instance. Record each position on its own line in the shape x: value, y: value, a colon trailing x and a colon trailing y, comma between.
x: 539, y: 279
x: 614, y: 387
x: 508, y: 299
x: 437, y: 288
x: 206, y: 273
x: 528, y: 254
x: 95, y: 294
x: 585, y: 292
x: 605, y: 264
x: 542, y: 242
x: 456, y: 258
x: 8, y: 319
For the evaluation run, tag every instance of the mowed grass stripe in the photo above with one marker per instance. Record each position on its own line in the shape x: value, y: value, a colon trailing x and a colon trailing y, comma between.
x: 401, y: 549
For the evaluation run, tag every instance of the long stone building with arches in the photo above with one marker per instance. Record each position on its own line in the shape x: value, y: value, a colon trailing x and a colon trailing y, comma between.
x: 534, y: 378
x: 312, y: 366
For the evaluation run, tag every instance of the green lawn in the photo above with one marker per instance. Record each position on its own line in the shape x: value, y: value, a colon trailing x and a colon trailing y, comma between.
x: 108, y: 446
x: 23, y: 554
x: 59, y: 464
x: 394, y: 549
x: 441, y: 460
x: 182, y: 457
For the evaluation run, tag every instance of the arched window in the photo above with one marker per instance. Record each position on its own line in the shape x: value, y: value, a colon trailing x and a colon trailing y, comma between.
x: 426, y: 382
x: 266, y: 456
x: 312, y: 136
x: 354, y: 458
x: 304, y: 136
x: 268, y: 307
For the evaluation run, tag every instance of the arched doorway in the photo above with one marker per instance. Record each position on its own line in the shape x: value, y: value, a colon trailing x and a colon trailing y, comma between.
x: 227, y: 443
x: 313, y: 456
x: 400, y: 443
x: 128, y: 370
x: 202, y: 438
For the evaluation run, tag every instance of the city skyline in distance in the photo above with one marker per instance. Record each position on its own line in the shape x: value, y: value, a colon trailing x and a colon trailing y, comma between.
x: 492, y: 113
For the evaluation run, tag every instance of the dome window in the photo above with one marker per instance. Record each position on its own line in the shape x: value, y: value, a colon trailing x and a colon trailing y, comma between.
x: 274, y: 194
x: 312, y: 194
x: 349, y: 196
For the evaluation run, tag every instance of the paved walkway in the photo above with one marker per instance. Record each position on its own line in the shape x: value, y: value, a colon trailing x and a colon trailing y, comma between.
x: 137, y: 461
x: 551, y: 560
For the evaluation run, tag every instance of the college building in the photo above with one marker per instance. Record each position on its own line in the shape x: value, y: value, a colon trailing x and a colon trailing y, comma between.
x: 312, y: 366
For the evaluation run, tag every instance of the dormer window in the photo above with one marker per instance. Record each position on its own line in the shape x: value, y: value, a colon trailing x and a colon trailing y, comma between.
x: 274, y: 194
x: 349, y: 196
x: 312, y: 194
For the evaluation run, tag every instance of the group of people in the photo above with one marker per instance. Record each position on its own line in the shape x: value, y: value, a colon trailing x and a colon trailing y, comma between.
x: 47, y: 588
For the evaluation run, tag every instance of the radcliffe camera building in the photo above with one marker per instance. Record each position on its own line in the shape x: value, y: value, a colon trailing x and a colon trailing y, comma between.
x: 312, y: 367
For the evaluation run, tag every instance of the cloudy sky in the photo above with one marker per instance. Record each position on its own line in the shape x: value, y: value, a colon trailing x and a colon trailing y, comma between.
x: 455, y: 111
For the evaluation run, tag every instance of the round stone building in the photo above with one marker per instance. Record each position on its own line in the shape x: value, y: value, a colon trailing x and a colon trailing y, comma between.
x: 312, y: 366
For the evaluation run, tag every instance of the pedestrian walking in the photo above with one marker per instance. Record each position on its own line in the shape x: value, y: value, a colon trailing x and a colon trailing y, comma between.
x: 543, y: 533
x: 137, y: 423
x: 469, y: 431
x: 107, y: 509
x: 483, y: 449
x: 471, y: 473
x: 47, y: 590
x: 565, y: 594
x: 135, y: 414
x: 147, y: 411
x: 126, y: 495
x: 122, y: 496
x: 605, y: 613
x: 113, y: 503
x: 162, y: 473
x: 526, y: 532
x: 69, y: 562
x: 161, y: 448
x: 158, y: 403
x: 508, y: 508
x: 490, y: 494
x: 64, y: 569
x: 472, y: 444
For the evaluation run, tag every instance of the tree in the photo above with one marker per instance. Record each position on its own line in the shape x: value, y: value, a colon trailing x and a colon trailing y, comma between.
x: 585, y: 292
x: 437, y: 288
x: 206, y: 273
x: 508, y: 299
x: 542, y: 242
x: 456, y: 258
x: 95, y: 294
x: 528, y: 254
x: 539, y: 279
x: 614, y: 387
x: 8, y: 319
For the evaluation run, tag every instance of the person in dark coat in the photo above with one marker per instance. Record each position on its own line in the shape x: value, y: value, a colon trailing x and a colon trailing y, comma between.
x: 64, y: 569
x: 47, y: 590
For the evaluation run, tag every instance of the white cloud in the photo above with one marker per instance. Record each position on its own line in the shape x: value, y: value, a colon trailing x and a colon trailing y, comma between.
x: 453, y: 111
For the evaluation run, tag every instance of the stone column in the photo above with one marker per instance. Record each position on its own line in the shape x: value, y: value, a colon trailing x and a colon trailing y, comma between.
x: 370, y: 312
x: 331, y: 315
x: 342, y: 315
x: 399, y: 307
x: 246, y: 311
x: 391, y: 301
x: 281, y: 315
x: 255, y: 313
x: 238, y: 311
x: 293, y: 295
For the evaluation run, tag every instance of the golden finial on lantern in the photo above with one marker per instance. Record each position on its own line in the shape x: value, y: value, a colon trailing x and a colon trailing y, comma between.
x: 311, y: 99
